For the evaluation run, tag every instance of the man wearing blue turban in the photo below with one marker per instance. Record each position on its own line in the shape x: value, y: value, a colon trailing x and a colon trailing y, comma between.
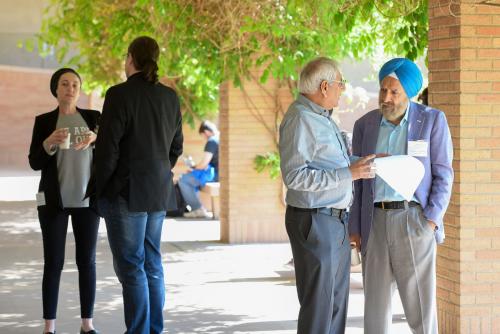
x: 397, y: 238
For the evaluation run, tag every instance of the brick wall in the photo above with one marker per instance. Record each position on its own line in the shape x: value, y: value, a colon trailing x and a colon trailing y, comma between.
x: 251, y: 203
x: 464, y: 81
x: 24, y: 94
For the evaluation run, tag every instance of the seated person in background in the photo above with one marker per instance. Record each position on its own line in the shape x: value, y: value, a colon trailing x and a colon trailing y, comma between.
x: 207, y: 170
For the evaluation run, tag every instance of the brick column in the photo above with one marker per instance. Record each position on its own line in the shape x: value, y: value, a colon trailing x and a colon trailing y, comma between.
x: 464, y: 81
x: 24, y: 94
x: 251, y: 208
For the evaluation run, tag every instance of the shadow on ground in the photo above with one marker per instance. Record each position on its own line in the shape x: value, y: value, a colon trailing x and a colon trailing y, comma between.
x: 211, y: 287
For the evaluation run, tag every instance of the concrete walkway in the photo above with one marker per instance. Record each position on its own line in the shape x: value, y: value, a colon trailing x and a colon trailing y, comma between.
x: 211, y: 287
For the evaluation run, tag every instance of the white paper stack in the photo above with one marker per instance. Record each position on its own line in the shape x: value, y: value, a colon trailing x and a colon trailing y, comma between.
x: 402, y: 173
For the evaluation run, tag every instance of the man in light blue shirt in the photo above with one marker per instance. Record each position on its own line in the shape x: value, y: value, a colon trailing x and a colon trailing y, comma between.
x: 318, y: 174
x: 391, y: 140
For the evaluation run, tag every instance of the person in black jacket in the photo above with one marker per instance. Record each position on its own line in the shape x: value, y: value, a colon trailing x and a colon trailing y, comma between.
x: 61, y: 149
x: 139, y: 142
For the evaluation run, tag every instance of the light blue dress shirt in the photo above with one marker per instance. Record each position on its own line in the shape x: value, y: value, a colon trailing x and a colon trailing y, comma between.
x: 392, y: 139
x: 314, y: 159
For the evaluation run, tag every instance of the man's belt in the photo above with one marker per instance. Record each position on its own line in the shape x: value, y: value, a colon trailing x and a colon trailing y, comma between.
x: 324, y: 211
x: 397, y: 205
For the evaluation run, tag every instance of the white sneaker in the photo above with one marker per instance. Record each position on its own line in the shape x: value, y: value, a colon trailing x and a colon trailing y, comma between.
x: 198, y: 213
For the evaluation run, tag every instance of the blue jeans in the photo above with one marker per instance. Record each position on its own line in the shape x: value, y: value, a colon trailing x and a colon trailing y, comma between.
x: 134, y: 238
x: 190, y: 186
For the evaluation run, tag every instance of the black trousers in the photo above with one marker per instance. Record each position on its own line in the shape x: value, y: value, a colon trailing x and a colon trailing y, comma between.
x: 54, y: 225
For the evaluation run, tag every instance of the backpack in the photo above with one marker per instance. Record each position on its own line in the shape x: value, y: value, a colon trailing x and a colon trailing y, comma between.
x: 181, y: 203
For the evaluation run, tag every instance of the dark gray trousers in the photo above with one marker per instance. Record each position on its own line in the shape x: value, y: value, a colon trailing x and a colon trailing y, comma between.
x: 322, y: 257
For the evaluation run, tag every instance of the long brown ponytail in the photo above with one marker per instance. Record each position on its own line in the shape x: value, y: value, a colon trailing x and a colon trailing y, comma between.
x: 145, y: 52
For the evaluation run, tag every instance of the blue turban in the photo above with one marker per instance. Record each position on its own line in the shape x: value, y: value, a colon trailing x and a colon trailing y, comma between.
x: 407, y: 72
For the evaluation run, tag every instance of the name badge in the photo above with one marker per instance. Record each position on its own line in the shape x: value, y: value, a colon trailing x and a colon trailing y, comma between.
x: 40, y: 199
x: 418, y: 148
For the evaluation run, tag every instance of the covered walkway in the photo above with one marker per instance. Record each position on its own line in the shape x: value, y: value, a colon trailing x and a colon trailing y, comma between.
x: 211, y: 287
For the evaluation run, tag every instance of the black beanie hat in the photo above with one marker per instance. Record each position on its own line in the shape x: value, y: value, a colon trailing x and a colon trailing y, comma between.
x: 54, y: 81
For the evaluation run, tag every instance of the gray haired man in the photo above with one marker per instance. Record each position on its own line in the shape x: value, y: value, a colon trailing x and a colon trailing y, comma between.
x: 318, y: 173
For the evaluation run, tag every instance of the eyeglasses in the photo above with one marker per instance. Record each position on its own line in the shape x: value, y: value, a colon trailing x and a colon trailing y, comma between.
x: 341, y: 82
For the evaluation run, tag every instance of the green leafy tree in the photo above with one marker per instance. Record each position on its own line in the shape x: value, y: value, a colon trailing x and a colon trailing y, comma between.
x: 206, y: 42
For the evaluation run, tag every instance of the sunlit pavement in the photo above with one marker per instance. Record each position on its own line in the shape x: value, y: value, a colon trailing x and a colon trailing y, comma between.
x: 211, y: 287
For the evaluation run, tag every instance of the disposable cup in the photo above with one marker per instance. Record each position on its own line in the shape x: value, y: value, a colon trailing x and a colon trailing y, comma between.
x: 355, y: 259
x: 66, y: 143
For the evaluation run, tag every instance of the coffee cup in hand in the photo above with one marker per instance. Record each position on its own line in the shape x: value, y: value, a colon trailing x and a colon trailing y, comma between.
x: 355, y: 258
x: 66, y: 143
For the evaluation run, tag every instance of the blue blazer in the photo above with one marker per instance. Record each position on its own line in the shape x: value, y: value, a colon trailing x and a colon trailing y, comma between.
x: 434, y: 191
